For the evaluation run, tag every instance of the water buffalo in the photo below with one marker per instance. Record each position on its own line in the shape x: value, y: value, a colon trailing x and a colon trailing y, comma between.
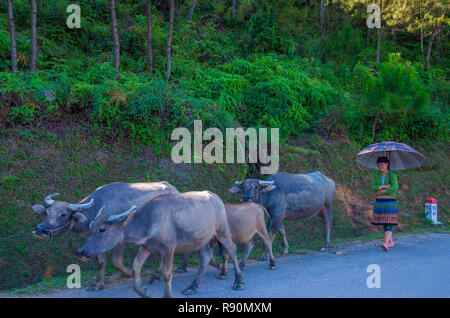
x: 63, y: 216
x: 246, y: 220
x: 166, y: 224
x: 291, y: 197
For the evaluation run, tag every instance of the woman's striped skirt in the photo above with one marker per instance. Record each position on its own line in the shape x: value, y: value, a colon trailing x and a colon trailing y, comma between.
x: 385, y: 211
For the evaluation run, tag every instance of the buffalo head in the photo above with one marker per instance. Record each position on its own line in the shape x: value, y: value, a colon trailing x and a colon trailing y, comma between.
x: 106, y: 232
x: 60, y: 216
x: 252, y: 189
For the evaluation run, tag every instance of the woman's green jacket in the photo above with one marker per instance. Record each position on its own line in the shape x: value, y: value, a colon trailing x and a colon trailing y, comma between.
x: 389, y: 178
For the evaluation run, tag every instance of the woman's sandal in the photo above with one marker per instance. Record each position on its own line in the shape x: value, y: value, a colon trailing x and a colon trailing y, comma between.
x: 385, y: 247
x: 391, y: 245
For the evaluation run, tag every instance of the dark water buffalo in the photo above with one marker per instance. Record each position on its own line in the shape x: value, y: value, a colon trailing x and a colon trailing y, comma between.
x: 291, y: 197
x: 246, y: 220
x: 63, y: 216
x: 166, y: 224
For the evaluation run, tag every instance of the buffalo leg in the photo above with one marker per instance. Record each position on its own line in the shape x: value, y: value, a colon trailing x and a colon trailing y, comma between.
x: 157, y: 275
x: 139, y: 260
x: 167, y: 260
x: 231, y: 250
x: 327, y: 214
x: 268, y: 243
x: 277, y: 226
x: 205, y: 258
x: 118, y: 260
x: 213, y: 262
x: 224, y: 268
x: 183, y: 268
x: 100, y: 281
x: 285, y: 242
x: 249, y: 246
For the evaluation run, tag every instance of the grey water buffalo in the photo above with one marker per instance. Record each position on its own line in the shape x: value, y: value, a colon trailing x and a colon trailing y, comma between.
x: 246, y: 220
x: 63, y: 216
x: 291, y: 197
x: 166, y: 224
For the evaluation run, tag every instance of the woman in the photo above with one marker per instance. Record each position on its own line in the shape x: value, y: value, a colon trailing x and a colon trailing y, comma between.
x: 385, y: 210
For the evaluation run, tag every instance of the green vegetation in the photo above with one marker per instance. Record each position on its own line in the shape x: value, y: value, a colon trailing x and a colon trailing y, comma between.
x: 77, y: 122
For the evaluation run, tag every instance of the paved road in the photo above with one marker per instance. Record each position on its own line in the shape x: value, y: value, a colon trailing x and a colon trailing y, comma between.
x: 418, y: 266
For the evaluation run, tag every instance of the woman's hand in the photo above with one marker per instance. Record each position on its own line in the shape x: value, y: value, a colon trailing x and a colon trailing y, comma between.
x: 381, y: 191
x: 381, y: 187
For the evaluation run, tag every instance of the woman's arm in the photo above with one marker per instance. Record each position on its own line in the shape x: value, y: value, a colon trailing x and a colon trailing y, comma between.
x: 374, y: 185
x: 392, y: 190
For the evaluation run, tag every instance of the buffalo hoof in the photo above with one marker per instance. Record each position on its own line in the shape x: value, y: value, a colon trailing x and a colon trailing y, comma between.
x: 284, y: 251
x: 182, y: 269
x: 272, y: 267
x: 241, y: 265
x: 189, y: 290
x: 94, y: 288
x: 143, y: 292
x: 238, y: 286
x: 323, y: 249
x: 155, y: 279
x: 222, y: 276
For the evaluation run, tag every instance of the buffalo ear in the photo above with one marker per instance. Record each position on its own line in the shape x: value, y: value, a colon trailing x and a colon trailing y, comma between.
x: 268, y: 188
x: 236, y: 190
x: 79, y: 217
x: 91, y: 226
x: 40, y: 209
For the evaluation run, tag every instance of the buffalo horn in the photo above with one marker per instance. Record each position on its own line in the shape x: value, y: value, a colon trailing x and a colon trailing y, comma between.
x: 119, y: 218
x: 49, y: 199
x: 81, y: 206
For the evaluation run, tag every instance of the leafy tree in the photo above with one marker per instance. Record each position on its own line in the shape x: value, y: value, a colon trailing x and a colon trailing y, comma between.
x: 396, y: 91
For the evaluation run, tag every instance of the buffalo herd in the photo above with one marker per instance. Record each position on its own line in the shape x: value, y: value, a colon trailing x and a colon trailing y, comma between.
x: 164, y: 221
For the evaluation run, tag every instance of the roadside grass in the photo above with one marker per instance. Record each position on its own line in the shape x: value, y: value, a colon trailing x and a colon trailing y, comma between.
x: 37, y: 163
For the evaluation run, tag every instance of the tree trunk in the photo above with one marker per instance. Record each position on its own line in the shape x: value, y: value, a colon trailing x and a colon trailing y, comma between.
x: 368, y: 37
x: 41, y: 4
x: 12, y: 34
x: 379, y: 34
x: 394, y: 35
x: 421, y: 41
x: 374, y: 127
x: 430, y: 44
x: 421, y: 27
x: 233, y: 8
x: 33, y: 57
x: 115, y: 34
x: 169, y: 42
x: 191, y: 10
x: 322, y: 17
x: 149, y: 35
x: 438, y: 44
